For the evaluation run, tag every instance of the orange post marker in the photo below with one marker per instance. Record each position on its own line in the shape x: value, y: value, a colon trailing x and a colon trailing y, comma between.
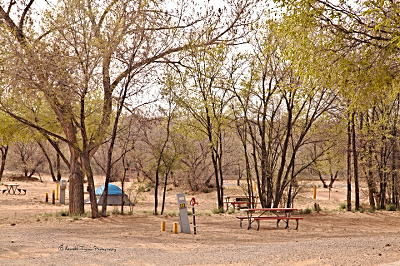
x: 315, y: 192
x: 175, y: 228
x: 163, y: 223
x: 58, y: 190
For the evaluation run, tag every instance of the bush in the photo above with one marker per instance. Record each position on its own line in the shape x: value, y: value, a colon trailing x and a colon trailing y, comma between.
x: 230, y: 211
x: 218, y: 210
x: 306, y: 211
x: 317, y: 208
x: 62, y: 213
x: 207, y: 190
x: 391, y: 207
x: 342, y: 206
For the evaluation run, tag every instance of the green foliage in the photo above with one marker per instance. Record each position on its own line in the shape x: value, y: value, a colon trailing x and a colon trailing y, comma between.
x: 218, y: 210
x: 62, y: 213
x: 316, y: 207
x: 171, y: 213
x: 306, y: 211
x: 391, y: 207
x: 230, y: 211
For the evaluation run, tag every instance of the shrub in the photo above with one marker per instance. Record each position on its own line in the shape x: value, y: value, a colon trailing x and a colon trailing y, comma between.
x: 391, y: 207
x: 62, y: 213
x: 316, y: 207
x: 306, y: 211
x: 171, y: 213
x: 342, y: 206
x: 218, y: 210
x: 231, y: 211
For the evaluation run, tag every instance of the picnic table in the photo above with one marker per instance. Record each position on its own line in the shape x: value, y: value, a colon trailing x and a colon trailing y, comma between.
x: 237, y: 201
x: 11, y: 188
x: 278, y: 214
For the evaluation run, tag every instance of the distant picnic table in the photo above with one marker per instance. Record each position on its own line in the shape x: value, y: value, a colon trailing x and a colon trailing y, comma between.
x: 278, y: 214
x: 239, y: 201
x: 12, y: 189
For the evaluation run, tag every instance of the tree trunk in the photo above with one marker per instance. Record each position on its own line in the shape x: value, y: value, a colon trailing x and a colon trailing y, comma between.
x: 369, y: 173
x: 76, y: 200
x: 348, y: 165
x: 123, y: 190
x: 85, y: 157
x: 156, y: 187
x: 355, y: 163
x: 164, y: 193
x: 4, y: 152
x: 58, y: 167
x: 53, y: 176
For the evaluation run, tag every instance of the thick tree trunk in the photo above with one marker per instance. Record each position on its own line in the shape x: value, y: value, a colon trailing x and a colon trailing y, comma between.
x: 76, y: 200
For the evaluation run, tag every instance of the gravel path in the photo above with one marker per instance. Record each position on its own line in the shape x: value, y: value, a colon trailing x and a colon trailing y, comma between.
x: 136, y: 240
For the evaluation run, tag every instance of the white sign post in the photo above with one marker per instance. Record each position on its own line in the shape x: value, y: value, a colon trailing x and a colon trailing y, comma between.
x: 183, y: 214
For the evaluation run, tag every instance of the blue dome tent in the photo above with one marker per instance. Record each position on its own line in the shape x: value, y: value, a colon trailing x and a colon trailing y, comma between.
x: 114, y: 196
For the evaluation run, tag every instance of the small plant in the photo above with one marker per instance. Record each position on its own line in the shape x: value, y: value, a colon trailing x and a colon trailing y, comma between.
x: 218, y: 210
x: 62, y: 213
x: 316, y: 207
x: 307, y: 211
x: 171, y: 213
x: 75, y: 218
x: 391, y: 207
x: 115, y: 212
x: 361, y: 210
x: 206, y: 190
x: 342, y: 206
x: 140, y: 189
x: 231, y: 211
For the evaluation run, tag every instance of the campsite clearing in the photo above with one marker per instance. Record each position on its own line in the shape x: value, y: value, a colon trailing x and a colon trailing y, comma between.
x: 36, y: 233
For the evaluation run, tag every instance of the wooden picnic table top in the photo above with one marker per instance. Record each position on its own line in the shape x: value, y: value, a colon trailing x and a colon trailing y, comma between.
x: 269, y: 209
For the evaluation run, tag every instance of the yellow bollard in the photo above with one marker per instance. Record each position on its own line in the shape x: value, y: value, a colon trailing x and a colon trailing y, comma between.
x: 47, y: 197
x: 175, y: 228
x: 58, y: 190
x: 315, y: 192
x: 163, y: 223
x: 53, y: 199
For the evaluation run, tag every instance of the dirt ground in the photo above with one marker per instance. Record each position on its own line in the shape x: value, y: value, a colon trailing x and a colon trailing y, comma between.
x: 34, y: 232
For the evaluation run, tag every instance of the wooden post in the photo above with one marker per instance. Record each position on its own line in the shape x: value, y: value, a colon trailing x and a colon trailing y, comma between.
x: 175, y: 228
x: 163, y: 223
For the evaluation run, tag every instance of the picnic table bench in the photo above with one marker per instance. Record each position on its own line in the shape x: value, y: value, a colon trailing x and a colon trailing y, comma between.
x: 280, y: 214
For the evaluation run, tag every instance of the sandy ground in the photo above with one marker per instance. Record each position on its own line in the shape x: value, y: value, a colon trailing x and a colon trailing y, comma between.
x: 33, y: 232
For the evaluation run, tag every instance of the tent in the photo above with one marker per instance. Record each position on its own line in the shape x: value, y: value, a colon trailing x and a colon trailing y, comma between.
x: 114, y: 196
